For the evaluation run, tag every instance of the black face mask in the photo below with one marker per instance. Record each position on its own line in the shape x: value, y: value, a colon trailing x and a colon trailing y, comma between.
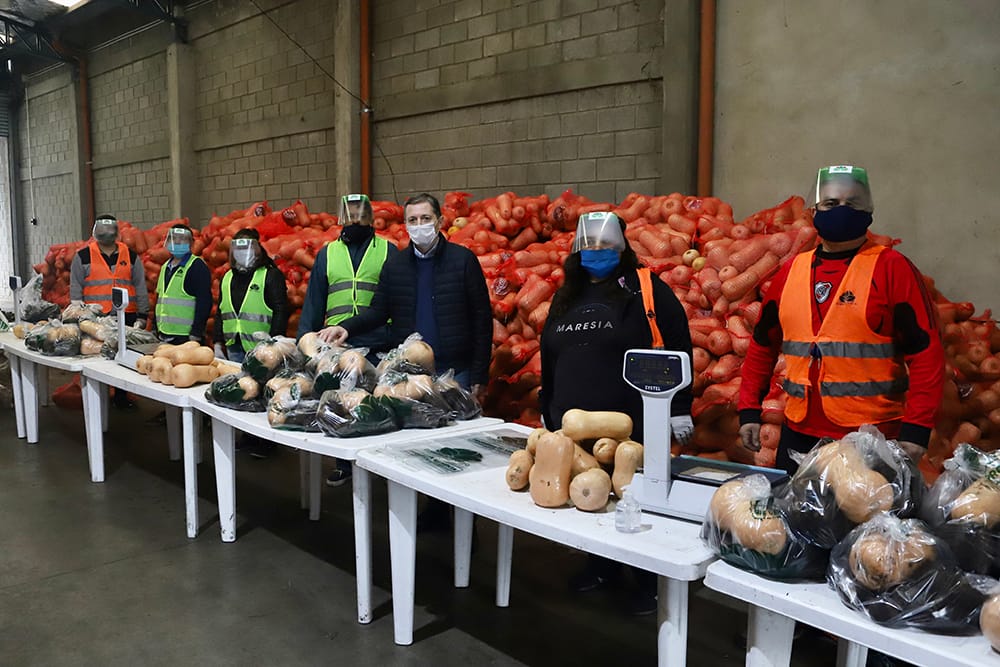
x: 353, y: 234
x: 842, y: 223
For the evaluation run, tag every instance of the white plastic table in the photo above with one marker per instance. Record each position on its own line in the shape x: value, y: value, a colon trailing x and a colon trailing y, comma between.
x: 670, y: 548
x: 775, y: 607
x: 179, y: 408
x: 226, y: 421
x: 30, y: 388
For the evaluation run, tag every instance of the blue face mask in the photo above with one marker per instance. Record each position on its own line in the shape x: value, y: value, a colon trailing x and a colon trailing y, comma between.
x: 600, y: 263
x: 179, y: 249
x: 842, y: 223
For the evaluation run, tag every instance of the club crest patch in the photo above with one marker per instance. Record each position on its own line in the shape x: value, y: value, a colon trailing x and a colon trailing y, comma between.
x: 847, y: 297
x: 822, y: 291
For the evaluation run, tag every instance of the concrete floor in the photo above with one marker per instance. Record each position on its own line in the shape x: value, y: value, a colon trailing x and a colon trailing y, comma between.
x: 102, y: 574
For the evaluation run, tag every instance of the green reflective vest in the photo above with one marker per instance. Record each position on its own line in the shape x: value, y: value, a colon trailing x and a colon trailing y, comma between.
x: 347, y: 291
x: 253, y: 316
x: 174, y: 306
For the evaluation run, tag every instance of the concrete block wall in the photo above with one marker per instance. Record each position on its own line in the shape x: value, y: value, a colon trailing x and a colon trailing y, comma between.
x: 129, y: 130
x: 494, y: 95
x: 49, y: 189
x: 264, y: 109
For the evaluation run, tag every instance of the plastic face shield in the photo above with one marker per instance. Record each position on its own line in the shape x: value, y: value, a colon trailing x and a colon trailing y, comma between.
x: 598, y: 230
x: 178, y: 236
x: 105, y: 229
x: 244, y: 253
x: 842, y: 185
x: 355, y: 209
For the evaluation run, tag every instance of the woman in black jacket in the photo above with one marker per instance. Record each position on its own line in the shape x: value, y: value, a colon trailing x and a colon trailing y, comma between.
x: 595, y: 317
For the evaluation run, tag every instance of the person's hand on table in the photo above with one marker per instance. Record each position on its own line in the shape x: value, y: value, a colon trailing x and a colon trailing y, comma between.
x: 750, y: 437
x: 682, y: 428
x: 140, y: 324
x: 335, y: 335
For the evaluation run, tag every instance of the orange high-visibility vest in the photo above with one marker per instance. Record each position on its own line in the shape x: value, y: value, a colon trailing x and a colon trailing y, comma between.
x: 862, y: 377
x: 97, y: 286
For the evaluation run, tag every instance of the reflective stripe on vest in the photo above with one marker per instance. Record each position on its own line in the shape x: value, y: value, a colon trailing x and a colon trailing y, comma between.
x: 347, y: 291
x: 862, y: 378
x: 174, y: 306
x: 97, y: 285
x: 253, y: 316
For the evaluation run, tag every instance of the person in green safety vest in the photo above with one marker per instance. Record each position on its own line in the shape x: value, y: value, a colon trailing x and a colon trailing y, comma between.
x: 252, y: 298
x: 342, y: 283
x: 183, y: 291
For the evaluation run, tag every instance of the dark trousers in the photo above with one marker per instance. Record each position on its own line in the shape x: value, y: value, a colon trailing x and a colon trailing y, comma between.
x: 792, y: 440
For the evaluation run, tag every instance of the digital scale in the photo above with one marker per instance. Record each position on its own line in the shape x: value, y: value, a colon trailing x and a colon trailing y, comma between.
x: 15, y: 287
x: 680, y: 487
x: 127, y: 355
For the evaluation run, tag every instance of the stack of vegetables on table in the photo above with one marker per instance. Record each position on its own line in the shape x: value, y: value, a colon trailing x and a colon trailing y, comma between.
x: 314, y: 386
x: 857, y: 514
x: 586, y: 460
x: 78, y: 330
x: 183, y: 365
x: 718, y: 267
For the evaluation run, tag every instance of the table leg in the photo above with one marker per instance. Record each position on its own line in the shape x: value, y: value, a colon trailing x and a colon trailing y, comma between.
x: 315, y: 480
x: 224, y: 449
x: 304, y: 479
x: 196, y: 434
x: 15, y: 381
x: 105, y: 392
x: 403, y: 556
x: 463, y: 546
x: 190, y: 471
x: 92, y: 391
x: 850, y: 654
x: 174, y: 433
x: 29, y: 386
x: 361, y: 482
x: 42, y: 381
x: 769, y: 638
x: 505, y: 548
x: 672, y: 621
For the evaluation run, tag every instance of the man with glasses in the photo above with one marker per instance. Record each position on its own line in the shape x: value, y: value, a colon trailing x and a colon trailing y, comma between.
x: 858, y: 330
x: 183, y: 291
x: 342, y: 284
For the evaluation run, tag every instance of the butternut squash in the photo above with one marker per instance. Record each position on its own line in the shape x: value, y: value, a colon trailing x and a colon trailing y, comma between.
x: 517, y: 472
x: 198, y: 355
x: 143, y: 363
x: 168, y: 350
x: 880, y: 560
x: 226, y: 367
x: 989, y: 621
x: 980, y: 503
x: 590, y: 489
x: 533, y: 439
x: 604, y: 451
x: 418, y: 353
x: 582, y: 461
x: 740, y: 508
x: 550, y: 475
x: 188, y: 375
x: 159, y: 370
x: 250, y: 387
x: 310, y: 344
x: 859, y: 491
x: 582, y: 425
x: 628, y: 459
x: 90, y: 346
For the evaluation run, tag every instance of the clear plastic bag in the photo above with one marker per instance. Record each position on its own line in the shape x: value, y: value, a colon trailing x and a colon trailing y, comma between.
x: 989, y: 619
x: 414, y: 387
x: 271, y: 356
x: 54, y: 339
x: 98, y: 327
x: 289, y: 410
x: 899, y: 574
x: 348, y: 413
x: 340, y: 368
x: 743, y: 527
x: 963, y: 508
x: 462, y: 403
x: 78, y: 310
x: 311, y: 346
x: 301, y: 379
x: 236, y: 392
x: 33, y: 307
x: 412, y: 356
x: 843, y: 483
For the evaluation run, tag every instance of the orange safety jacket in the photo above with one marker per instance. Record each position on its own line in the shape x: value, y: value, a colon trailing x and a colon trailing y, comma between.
x: 861, y: 375
x: 97, y: 286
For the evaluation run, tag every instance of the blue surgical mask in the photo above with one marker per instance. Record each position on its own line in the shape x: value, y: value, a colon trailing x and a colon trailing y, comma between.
x: 179, y: 249
x: 600, y: 263
x: 842, y: 223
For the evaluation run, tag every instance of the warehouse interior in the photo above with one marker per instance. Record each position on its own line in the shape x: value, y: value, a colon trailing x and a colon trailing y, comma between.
x: 160, y: 109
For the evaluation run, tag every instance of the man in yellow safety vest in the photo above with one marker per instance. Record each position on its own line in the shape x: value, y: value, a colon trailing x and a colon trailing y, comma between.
x: 183, y: 291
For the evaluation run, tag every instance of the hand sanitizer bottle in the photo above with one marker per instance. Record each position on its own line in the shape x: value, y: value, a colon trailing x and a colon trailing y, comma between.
x: 628, y: 513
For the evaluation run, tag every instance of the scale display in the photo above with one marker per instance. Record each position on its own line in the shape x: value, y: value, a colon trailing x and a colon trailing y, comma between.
x: 655, y: 373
